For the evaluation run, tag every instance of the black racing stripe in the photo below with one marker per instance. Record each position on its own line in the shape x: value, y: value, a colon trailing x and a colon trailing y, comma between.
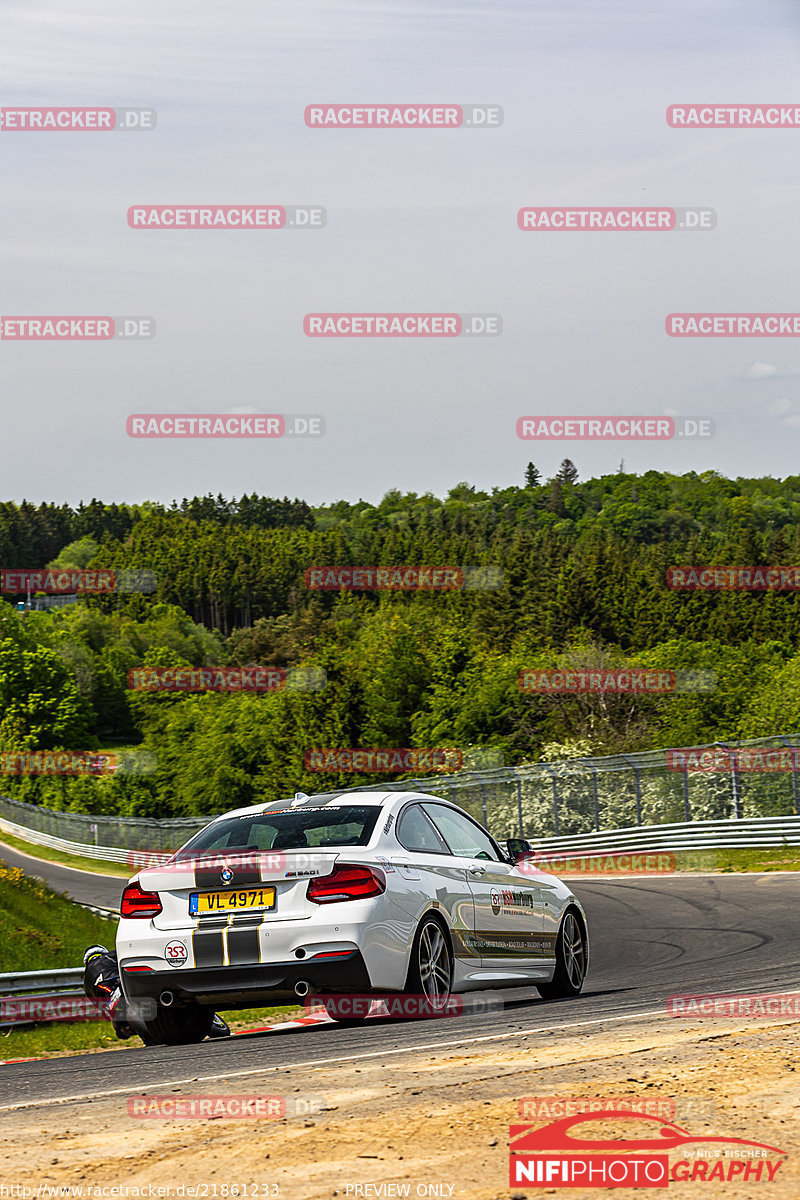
x: 209, y: 877
x: 207, y: 945
x: 243, y: 947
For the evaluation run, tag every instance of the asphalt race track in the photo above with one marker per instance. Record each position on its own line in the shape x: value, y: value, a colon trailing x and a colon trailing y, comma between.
x: 103, y: 891
x: 650, y: 939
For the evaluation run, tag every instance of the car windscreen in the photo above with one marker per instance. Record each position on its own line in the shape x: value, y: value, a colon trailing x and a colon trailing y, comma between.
x: 285, y: 829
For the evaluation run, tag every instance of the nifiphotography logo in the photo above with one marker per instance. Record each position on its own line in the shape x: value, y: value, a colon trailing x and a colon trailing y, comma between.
x: 564, y: 1154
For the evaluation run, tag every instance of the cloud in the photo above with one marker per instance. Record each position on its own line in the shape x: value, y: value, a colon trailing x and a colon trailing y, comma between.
x: 764, y: 370
x: 785, y: 410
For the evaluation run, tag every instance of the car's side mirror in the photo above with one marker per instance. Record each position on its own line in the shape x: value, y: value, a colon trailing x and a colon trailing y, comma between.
x: 517, y: 848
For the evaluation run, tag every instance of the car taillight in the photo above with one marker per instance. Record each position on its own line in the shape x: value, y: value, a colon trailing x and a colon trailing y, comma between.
x: 347, y: 883
x: 136, y: 903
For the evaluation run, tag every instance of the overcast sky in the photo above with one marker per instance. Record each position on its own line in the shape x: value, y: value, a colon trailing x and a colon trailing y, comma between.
x: 418, y: 221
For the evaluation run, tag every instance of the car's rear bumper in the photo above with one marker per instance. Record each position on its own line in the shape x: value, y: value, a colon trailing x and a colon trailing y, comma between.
x: 252, y: 985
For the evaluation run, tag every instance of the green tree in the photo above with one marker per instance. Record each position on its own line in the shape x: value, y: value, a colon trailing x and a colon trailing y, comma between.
x: 39, y: 698
x: 567, y: 472
x: 76, y: 555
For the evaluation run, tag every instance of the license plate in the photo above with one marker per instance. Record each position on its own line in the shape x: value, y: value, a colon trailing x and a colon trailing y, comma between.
x: 216, y: 902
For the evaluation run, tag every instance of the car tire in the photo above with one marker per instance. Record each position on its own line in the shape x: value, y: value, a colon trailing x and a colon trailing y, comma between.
x: 570, y: 969
x: 430, y: 971
x: 177, y: 1026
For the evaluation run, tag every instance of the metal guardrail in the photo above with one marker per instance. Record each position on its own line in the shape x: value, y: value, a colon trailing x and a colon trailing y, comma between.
x: 95, y: 832
x: 36, y: 997
x: 694, y: 835
x: 81, y: 849
x: 14, y: 982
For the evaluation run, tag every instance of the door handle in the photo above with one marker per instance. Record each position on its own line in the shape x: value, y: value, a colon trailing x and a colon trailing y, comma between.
x: 477, y: 870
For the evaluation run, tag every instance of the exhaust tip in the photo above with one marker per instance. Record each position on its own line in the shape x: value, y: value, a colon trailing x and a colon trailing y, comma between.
x: 302, y: 987
x: 166, y: 999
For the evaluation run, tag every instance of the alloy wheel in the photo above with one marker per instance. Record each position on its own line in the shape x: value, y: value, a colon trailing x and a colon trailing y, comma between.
x: 434, y: 965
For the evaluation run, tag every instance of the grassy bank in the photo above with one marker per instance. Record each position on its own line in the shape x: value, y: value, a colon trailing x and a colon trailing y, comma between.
x: 766, y: 858
x: 39, y: 930
x: 53, y: 1041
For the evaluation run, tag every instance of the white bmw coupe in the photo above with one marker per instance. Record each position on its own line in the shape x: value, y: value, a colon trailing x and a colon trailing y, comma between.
x: 366, y: 892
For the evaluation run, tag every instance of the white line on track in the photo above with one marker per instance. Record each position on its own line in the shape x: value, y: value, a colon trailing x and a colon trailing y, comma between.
x: 345, y: 1058
x: 325, y: 1062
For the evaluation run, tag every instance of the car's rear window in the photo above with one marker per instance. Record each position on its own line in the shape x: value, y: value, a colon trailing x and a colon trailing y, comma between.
x: 289, y: 829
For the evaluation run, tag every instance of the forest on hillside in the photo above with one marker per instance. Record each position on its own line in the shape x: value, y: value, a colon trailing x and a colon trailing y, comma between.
x: 583, y: 567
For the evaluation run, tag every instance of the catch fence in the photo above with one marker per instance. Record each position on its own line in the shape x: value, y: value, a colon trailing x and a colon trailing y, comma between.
x: 729, y: 781
x: 732, y: 781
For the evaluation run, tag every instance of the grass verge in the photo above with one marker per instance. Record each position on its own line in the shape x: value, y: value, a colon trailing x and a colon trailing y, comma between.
x: 80, y: 1037
x: 40, y: 931
x: 765, y: 858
